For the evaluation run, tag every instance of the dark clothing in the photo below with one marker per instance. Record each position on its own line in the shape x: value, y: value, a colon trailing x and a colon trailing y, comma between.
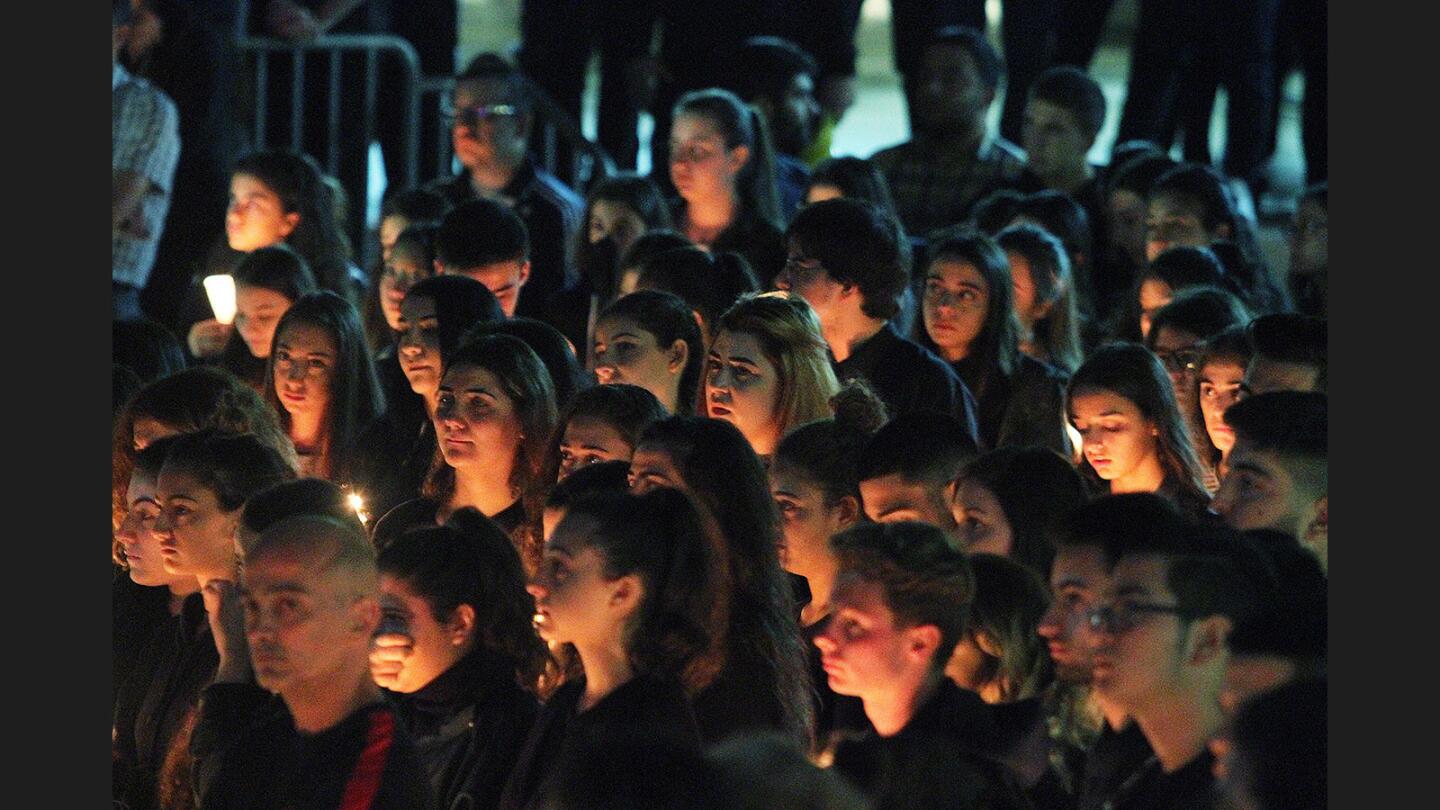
x: 741, y: 698
x: 421, y: 512
x: 1191, y: 787
x: 135, y: 612
x: 956, y: 752
x: 248, y: 754
x: 157, y: 704
x: 908, y: 377
x: 1025, y: 408
x: 1191, y: 504
x: 647, y: 707
x: 762, y: 244
x: 390, y: 457
x: 551, y: 212
x: 468, y: 725
x: 791, y: 178
x: 1114, y: 757
x: 935, y: 181
x: 834, y: 713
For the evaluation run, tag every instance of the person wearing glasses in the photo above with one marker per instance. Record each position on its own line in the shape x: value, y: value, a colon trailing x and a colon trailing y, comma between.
x: 490, y: 130
x: 848, y: 261
x: 1158, y: 652
x: 1133, y: 435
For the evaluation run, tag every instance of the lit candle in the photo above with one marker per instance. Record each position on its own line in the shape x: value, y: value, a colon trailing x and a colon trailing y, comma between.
x: 358, y: 504
x: 220, y: 289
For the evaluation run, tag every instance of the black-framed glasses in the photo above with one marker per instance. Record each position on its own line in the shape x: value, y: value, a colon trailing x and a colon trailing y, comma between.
x: 1122, y: 617
x: 1179, y: 360
x: 802, y: 267
x: 471, y: 117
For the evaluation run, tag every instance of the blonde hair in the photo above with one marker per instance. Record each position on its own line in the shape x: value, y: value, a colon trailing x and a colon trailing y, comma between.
x: 789, y: 333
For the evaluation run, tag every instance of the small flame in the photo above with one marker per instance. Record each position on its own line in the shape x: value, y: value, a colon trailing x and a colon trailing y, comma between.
x: 358, y: 504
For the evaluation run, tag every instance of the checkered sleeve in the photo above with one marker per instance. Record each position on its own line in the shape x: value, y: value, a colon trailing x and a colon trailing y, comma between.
x: 145, y: 136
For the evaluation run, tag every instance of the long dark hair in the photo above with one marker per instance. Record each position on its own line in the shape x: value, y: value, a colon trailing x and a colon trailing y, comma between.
x: 667, y: 317
x: 460, y: 303
x: 1058, y: 332
x: 527, y: 384
x: 300, y: 184
x: 1037, y: 489
x: 470, y: 561
x: 356, y: 398
x: 1132, y: 371
x: 709, y: 282
x: 633, y: 191
x: 740, y: 124
x: 725, y: 476
x: 670, y: 542
x: 233, y: 466
x: 997, y: 347
x: 281, y: 270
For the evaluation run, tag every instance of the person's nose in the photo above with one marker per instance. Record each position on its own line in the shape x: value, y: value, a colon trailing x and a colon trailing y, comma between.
x: 823, y: 641
x: 296, y: 372
x: 782, y: 280
x: 536, y: 589
x: 1224, y: 498
x: 410, y: 345
x: 1050, y: 623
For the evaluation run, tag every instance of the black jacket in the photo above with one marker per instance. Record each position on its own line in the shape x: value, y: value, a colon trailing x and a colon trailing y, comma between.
x: 1024, y: 408
x: 909, y: 377
x: 248, y: 754
x: 469, y: 725
x: 956, y: 752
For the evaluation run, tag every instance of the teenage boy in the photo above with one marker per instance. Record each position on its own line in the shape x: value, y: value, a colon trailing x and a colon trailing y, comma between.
x: 1288, y: 352
x: 310, y: 597
x: 848, y: 261
x: 907, y: 469
x: 900, y: 606
x: 488, y: 242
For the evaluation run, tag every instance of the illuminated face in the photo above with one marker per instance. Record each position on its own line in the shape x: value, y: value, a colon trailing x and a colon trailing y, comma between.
x: 742, y: 387
x: 862, y: 650
x: 983, y: 527
x: 390, y: 229
x: 626, y: 353
x: 304, y: 627
x: 1172, y: 221
x: 891, y: 499
x: 652, y: 468
x: 572, y: 596
x: 956, y: 301
x: 488, y: 133
x: 617, y: 221
x: 1126, y: 223
x: 1078, y: 579
x: 1260, y: 493
x: 1142, y: 659
x: 419, y: 350
x: 256, y: 218
x: 305, y: 357
x: 1118, y: 441
x: 196, y: 535
x: 137, y: 533
x: 821, y: 192
x: 402, y: 272
x: 807, y: 278
x: 436, y: 646
x: 503, y: 279
x: 475, y: 420
x: 1053, y: 140
x: 257, y: 312
x: 146, y: 431
x: 1154, y: 295
x: 1171, y: 347
x: 700, y: 165
x: 1220, y: 383
x: 587, y: 441
x: 808, y: 523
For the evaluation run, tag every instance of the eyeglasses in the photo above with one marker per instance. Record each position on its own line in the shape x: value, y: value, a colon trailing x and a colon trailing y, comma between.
x: 798, y: 267
x: 1179, y: 360
x: 472, y: 117
x: 1122, y: 617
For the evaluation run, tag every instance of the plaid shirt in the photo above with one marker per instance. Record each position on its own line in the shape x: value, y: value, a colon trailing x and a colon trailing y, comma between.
x: 144, y: 139
x: 934, y: 184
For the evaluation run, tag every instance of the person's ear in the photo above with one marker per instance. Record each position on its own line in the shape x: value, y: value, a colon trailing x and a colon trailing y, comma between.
x: 288, y: 223
x: 626, y: 593
x: 921, y: 642
x: 847, y: 511
x: 461, y: 624
x: 679, y: 353
x: 524, y: 274
x: 987, y: 644
x: 365, y: 617
x: 739, y: 156
x: 1317, y: 522
x: 1208, y: 638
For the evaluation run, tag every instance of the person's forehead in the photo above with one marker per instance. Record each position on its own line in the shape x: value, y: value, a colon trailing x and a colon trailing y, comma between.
x: 1049, y: 111
x: 418, y: 306
x: 892, y: 489
x: 500, y: 269
x: 1079, y: 566
x: 1170, y: 338
x: 1264, y: 375
x: 950, y: 57
x: 1139, y: 574
x: 590, y: 430
x: 470, y: 92
x: 854, y: 592
x: 1264, y: 462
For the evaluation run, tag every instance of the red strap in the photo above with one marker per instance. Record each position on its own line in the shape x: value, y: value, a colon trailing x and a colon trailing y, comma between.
x: 364, y: 781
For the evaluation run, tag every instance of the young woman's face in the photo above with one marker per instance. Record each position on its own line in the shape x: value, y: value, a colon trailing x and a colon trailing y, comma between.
x: 1028, y: 307
x: 807, y: 521
x: 390, y: 229
x: 1219, y: 383
x: 700, y: 165
x: 137, y: 532
x: 981, y: 523
x: 256, y: 218
x: 437, y: 647
x: 1127, y: 223
x: 589, y: 440
x: 652, y: 468
x: 957, y: 299
x: 1117, y: 438
x: 572, y: 596
x: 1174, y: 348
x: 475, y: 420
x: 305, y: 360
x: 257, y: 312
x: 419, y: 351
x: 616, y: 220
x: 401, y: 273
x: 1173, y: 221
x: 195, y: 535
x: 742, y: 387
x: 1154, y: 294
x: 626, y: 353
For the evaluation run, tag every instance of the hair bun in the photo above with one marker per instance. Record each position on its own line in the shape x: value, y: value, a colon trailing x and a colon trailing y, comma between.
x: 858, y: 408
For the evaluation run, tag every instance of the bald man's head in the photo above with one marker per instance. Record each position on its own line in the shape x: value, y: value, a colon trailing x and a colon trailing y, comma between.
x: 311, y: 597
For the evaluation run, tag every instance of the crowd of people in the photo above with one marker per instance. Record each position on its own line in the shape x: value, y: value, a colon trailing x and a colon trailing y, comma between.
x: 969, y: 475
